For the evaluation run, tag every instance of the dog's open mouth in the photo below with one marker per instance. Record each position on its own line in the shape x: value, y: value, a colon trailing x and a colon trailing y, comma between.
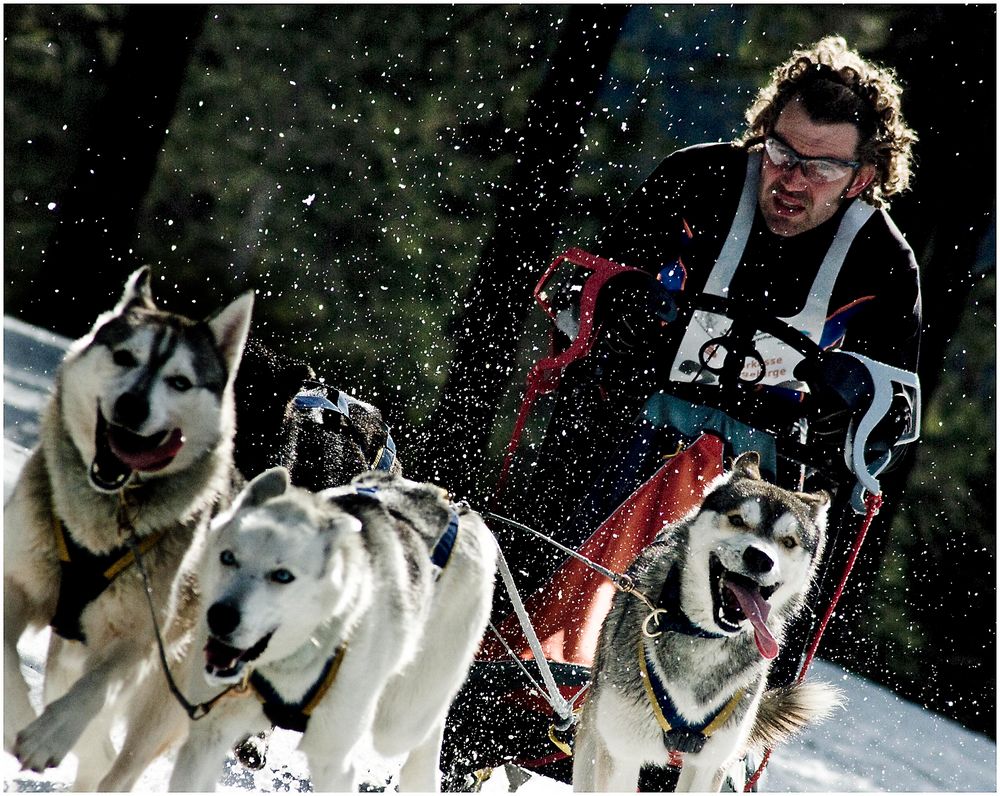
x: 226, y: 663
x: 120, y: 452
x: 737, y: 598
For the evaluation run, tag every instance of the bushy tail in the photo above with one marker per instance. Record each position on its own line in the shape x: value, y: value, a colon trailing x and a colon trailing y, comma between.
x: 787, y: 710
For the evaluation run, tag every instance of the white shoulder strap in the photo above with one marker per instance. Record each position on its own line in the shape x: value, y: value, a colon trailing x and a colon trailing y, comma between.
x: 812, y: 317
x: 739, y: 232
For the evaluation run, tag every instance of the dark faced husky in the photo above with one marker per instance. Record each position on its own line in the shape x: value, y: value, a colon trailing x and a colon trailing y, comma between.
x: 689, y: 677
x: 136, y: 444
x: 347, y: 615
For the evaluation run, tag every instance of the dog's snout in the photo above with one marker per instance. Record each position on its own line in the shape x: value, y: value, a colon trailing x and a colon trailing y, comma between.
x: 757, y: 561
x: 131, y: 410
x: 223, y: 619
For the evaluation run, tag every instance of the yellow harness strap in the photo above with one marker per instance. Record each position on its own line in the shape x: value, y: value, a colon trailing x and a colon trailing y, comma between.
x: 61, y: 549
x: 331, y: 675
x: 126, y: 560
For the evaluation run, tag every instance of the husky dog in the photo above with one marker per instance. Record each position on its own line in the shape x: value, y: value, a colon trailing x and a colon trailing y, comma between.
x: 136, y: 448
x: 686, y: 681
x: 280, y: 422
x: 343, y: 614
x: 285, y: 417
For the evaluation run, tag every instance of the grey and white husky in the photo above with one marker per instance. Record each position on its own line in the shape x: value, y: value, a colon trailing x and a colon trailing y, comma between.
x: 686, y: 681
x: 345, y: 615
x: 136, y: 444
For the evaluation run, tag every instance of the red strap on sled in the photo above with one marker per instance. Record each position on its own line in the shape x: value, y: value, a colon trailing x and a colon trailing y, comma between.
x: 872, y: 503
x: 545, y: 374
x: 567, y: 611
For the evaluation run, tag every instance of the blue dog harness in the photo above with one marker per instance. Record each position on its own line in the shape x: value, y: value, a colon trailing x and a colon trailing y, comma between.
x: 445, y: 544
x: 319, y: 404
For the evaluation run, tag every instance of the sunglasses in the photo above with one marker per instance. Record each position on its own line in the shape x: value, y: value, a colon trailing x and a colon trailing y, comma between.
x: 817, y: 170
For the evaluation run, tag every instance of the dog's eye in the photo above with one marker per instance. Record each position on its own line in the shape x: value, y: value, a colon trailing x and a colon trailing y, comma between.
x: 227, y: 558
x: 180, y: 383
x: 124, y: 359
x: 789, y: 542
x: 737, y: 521
x: 282, y: 576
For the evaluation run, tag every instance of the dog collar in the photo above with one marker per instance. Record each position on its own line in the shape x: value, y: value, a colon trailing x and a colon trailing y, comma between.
x: 679, y: 735
x: 295, y: 716
x: 670, y: 618
x: 85, y: 575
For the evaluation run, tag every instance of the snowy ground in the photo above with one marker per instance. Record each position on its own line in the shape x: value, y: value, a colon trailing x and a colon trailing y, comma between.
x: 879, y: 742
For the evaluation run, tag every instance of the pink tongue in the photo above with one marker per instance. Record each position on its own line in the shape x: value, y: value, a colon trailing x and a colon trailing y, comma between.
x: 155, y: 459
x: 756, y: 609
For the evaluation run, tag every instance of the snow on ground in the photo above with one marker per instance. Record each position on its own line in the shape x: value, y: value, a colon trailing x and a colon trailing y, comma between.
x: 878, y: 742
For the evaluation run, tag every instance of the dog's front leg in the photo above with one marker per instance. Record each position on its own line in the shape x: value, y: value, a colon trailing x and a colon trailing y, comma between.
x: 596, y: 770
x: 419, y: 773
x: 584, y: 759
x: 697, y: 778
x: 153, y: 721
x: 201, y: 760
x: 30, y: 582
x: 46, y: 741
x: 17, y: 710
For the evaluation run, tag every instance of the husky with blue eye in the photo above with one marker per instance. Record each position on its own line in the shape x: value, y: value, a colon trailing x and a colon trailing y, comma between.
x: 346, y: 615
x: 136, y: 445
x: 685, y: 679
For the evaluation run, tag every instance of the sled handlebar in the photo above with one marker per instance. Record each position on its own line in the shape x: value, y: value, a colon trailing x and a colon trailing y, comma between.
x: 870, y: 393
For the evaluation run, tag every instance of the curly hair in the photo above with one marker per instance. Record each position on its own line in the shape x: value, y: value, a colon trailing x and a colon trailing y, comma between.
x: 836, y: 85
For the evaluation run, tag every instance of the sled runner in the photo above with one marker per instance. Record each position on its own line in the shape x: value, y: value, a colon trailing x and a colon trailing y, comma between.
x: 729, y: 390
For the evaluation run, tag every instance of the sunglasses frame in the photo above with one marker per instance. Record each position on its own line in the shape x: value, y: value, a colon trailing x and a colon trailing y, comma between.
x: 803, y: 161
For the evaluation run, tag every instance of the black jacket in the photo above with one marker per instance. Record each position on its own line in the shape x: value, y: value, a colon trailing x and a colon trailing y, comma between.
x: 701, y: 186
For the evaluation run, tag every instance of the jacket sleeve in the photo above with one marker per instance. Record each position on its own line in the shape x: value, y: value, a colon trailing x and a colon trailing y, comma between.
x: 887, y: 327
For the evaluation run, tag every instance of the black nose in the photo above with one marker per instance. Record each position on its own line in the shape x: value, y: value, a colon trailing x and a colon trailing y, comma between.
x: 757, y: 561
x: 131, y: 410
x: 223, y: 619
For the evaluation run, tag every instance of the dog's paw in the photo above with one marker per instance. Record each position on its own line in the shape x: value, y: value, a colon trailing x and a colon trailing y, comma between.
x: 17, y: 710
x: 43, y: 744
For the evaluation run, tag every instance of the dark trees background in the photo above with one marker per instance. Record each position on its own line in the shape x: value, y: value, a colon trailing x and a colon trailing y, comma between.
x: 529, y: 207
x: 97, y: 214
x: 392, y: 179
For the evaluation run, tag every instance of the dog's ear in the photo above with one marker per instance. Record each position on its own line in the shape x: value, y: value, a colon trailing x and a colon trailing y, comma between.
x: 137, y: 291
x: 747, y: 465
x: 229, y: 327
x: 818, y: 504
x: 269, y: 484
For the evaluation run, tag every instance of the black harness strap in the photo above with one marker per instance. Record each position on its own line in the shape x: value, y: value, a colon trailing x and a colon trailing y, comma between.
x: 85, y: 575
x: 680, y: 735
x: 296, y: 716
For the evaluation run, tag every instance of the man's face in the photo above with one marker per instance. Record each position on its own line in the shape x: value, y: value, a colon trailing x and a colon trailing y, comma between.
x: 791, y: 203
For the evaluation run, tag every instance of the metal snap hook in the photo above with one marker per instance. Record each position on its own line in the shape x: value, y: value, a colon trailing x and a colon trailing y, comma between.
x: 652, y: 616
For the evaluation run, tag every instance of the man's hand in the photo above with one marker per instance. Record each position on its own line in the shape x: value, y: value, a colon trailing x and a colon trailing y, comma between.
x: 633, y: 312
